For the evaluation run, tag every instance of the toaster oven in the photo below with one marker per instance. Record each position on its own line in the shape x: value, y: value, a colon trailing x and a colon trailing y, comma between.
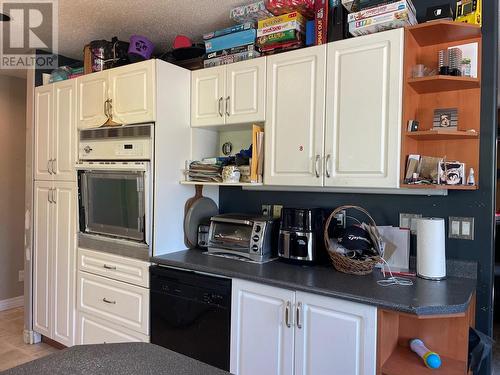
x: 253, y: 238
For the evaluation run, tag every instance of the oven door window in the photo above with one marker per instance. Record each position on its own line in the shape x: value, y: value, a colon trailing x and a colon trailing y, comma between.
x: 114, y: 203
x: 234, y: 237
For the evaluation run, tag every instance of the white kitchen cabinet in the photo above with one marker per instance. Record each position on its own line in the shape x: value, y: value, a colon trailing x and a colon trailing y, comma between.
x: 295, y: 117
x: 364, y: 111
x: 92, y: 97
x: 245, y: 91
x: 43, y: 142
x: 261, y: 338
x: 332, y: 333
x: 278, y: 331
x: 54, y: 260
x: 93, y: 330
x: 133, y: 93
x: 55, y: 131
x: 229, y: 94
x: 42, y: 259
x: 207, y: 96
x: 126, y: 94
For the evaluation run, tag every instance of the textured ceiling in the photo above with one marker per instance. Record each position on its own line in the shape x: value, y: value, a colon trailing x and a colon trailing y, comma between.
x: 159, y: 20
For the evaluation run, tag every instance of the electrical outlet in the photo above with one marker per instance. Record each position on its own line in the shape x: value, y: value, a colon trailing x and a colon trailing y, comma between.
x: 461, y: 228
x: 267, y: 209
x: 277, y: 211
x: 407, y: 221
x: 21, y: 276
x: 341, y: 219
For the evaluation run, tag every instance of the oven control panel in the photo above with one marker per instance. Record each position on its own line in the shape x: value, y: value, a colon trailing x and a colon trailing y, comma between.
x: 115, y: 150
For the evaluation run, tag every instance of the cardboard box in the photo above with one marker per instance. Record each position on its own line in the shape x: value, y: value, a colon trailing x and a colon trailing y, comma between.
x: 383, y: 22
x: 294, y: 16
x: 321, y: 21
x: 283, y: 36
x: 231, y: 40
x: 382, y: 9
x: 292, y: 25
x: 229, y: 30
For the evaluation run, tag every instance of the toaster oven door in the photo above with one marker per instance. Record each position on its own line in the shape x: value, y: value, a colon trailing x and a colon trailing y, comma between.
x: 231, y: 238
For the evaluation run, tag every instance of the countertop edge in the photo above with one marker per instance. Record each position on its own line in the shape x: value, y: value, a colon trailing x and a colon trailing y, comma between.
x: 418, y: 311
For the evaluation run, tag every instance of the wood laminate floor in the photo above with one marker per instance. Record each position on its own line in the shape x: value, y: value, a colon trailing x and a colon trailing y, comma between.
x: 13, y: 350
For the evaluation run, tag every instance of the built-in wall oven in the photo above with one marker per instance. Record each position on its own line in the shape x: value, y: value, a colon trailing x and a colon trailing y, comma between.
x: 115, y: 184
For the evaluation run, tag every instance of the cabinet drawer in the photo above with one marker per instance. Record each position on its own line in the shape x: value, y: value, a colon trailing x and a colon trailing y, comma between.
x: 92, y: 330
x: 115, y: 267
x: 123, y: 304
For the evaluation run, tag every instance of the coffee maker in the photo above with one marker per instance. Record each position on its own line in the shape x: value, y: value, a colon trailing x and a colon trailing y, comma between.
x: 301, y: 235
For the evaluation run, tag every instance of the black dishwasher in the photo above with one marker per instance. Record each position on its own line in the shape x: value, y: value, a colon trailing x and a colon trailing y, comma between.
x: 191, y: 314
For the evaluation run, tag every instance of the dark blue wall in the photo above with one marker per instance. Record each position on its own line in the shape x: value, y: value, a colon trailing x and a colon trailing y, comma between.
x: 386, y: 208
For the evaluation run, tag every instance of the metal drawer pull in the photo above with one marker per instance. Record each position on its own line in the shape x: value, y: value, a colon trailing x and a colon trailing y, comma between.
x: 227, y: 106
x: 327, y: 165
x: 54, y: 196
x: 220, y: 103
x: 287, y: 314
x: 108, y: 267
x: 48, y: 166
x: 54, y: 165
x: 109, y: 301
x: 299, y: 306
x: 316, y: 169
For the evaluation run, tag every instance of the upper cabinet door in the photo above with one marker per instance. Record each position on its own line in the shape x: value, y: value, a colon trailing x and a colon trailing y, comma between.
x: 295, y: 117
x: 44, y: 98
x: 364, y: 110
x: 42, y: 257
x: 64, y: 260
x: 245, y: 92
x: 92, y: 97
x: 261, y: 340
x: 207, y: 96
x: 65, y: 132
x: 331, y: 331
x: 133, y: 93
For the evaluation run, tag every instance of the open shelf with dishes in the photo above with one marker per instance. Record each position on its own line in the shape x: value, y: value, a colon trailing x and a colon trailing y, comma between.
x: 458, y: 97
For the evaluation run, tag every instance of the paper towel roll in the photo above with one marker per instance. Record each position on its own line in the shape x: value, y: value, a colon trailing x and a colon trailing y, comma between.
x: 431, y: 254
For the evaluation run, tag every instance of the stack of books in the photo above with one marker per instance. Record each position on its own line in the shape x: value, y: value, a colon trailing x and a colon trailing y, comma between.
x: 384, y: 15
x: 233, y: 44
x: 282, y: 33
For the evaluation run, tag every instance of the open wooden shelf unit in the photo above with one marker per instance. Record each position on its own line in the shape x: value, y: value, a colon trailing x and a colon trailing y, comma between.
x: 423, y: 95
x: 447, y: 335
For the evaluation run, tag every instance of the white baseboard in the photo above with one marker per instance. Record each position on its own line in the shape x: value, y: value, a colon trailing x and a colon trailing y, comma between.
x: 11, y: 303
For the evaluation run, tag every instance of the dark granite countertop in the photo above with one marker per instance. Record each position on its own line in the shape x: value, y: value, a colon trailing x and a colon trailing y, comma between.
x: 119, y: 359
x: 425, y: 297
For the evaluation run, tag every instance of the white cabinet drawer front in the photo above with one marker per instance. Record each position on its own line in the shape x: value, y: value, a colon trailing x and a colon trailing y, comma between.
x: 115, y: 267
x: 123, y: 304
x: 93, y: 330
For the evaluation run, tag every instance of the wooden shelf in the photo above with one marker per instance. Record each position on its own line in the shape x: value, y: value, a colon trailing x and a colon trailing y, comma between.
x: 442, y: 83
x: 439, y: 32
x: 439, y: 187
x: 219, y: 183
x: 441, y: 135
x: 404, y: 361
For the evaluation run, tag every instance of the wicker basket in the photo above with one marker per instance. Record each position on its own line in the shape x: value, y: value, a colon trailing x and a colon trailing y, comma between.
x: 343, y: 263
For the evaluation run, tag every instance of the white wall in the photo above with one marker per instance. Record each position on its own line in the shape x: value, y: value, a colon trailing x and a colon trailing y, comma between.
x: 12, y: 180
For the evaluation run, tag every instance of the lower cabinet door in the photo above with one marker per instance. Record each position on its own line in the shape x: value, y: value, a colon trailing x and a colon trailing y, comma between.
x: 334, y: 336
x: 92, y: 330
x: 261, y: 330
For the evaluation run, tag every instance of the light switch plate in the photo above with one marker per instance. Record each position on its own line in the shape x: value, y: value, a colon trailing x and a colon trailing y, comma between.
x: 461, y: 228
x: 407, y: 221
x: 277, y: 211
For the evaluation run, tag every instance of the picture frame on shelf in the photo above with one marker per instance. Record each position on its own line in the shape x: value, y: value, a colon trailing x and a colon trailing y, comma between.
x: 452, y: 173
x: 445, y: 119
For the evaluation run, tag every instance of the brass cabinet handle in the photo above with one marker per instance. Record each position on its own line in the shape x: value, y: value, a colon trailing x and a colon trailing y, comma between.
x: 228, y: 114
x: 220, y: 110
x: 299, y: 306
x: 327, y: 165
x: 109, y: 301
x: 287, y: 314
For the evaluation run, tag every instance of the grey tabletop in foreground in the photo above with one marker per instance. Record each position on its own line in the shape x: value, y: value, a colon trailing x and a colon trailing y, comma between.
x: 119, y: 359
x: 425, y: 297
